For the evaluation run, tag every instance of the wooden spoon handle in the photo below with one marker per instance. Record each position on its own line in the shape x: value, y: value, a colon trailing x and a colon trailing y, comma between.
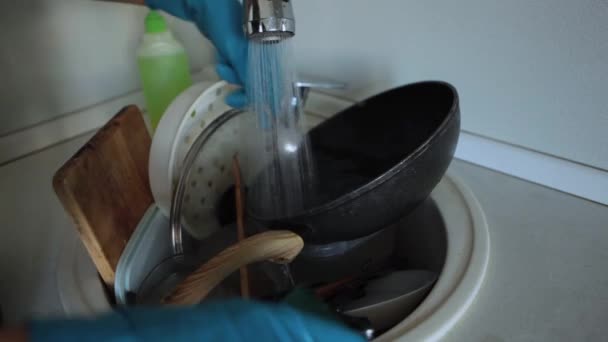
x: 277, y: 246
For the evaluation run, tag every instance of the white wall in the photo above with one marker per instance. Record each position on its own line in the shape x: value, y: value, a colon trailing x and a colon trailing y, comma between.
x: 58, y: 56
x: 530, y: 72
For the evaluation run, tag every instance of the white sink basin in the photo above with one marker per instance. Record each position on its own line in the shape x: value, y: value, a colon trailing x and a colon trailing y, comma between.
x: 462, y: 240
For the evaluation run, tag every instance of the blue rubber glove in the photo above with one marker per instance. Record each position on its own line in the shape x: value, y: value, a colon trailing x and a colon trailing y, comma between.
x: 232, y: 320
x: 221, y: 21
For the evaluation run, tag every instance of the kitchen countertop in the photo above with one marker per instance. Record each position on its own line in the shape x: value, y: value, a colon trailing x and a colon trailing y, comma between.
x: 546, y: 278
x: 34, y: 226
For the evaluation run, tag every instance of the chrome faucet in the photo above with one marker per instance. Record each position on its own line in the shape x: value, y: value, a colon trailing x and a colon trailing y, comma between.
x: 269, y: 20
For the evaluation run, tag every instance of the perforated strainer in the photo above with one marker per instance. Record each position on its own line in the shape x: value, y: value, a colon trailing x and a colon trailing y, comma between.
x: 187, y: 116
x: 207, y: 174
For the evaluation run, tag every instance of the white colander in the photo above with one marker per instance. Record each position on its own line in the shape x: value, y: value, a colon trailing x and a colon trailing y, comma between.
x: 187, y: 116
x: 207, y: 172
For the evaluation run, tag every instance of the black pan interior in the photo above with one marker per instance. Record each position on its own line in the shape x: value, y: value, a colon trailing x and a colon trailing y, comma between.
x: 365, y: 141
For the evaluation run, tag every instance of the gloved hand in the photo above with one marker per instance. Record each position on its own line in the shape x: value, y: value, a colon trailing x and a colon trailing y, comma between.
x: 232, y: 320
x: 221, y: 21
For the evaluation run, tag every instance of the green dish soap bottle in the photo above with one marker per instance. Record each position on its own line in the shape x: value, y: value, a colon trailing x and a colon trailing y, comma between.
x: 163, y: 67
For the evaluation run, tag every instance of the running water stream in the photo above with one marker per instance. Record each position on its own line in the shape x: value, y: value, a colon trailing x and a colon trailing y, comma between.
x: 280, y: 144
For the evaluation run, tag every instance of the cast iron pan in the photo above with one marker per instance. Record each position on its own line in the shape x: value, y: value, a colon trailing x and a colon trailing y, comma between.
x: 376, y: 161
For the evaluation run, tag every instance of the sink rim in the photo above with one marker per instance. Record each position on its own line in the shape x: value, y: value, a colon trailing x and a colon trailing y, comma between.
x: 465, y: 268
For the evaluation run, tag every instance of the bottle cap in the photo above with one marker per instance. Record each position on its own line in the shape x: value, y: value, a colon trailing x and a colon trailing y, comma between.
x: 155, y: 23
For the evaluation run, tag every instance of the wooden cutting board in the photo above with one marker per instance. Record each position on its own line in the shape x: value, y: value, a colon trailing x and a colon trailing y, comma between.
x: 104, y: 187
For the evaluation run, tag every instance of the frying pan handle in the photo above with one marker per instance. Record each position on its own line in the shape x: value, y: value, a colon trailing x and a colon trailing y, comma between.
x: 277, y: 246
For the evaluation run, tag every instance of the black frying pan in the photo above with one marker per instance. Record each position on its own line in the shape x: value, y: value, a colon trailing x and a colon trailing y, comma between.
x: 377, y: 161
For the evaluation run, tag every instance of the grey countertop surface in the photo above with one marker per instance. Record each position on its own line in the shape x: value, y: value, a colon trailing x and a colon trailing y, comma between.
x: 34, y: 228
x: 547, y: 277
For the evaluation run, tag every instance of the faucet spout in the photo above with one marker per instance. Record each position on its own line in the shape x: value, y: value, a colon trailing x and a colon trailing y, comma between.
x: 269, y: 20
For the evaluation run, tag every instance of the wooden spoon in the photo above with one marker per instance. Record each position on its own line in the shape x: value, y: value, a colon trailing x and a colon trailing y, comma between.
x: 276, y: 246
